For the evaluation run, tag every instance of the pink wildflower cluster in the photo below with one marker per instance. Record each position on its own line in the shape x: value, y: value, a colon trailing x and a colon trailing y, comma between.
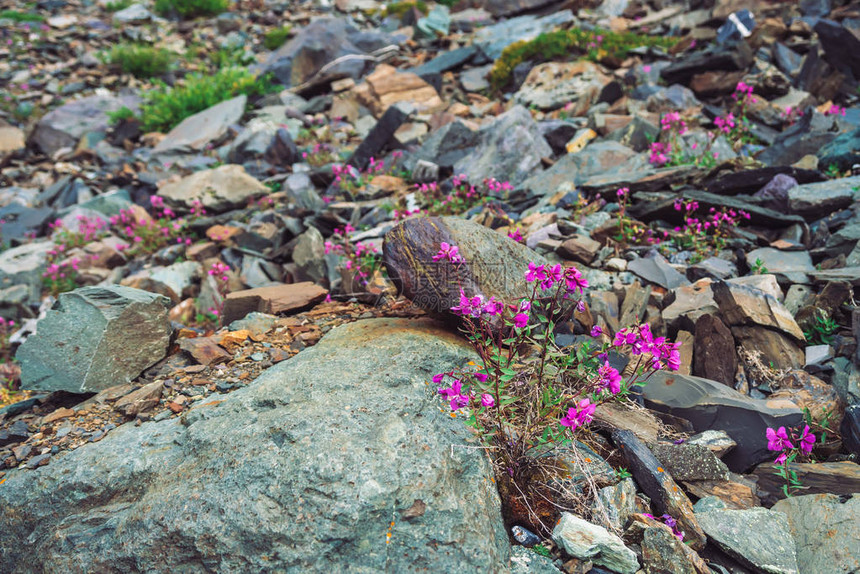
x: 580, y: 415
x: 743, y: 93
x: 517, y: 236
x: 791, y: 115
x: 449, y: 253
x: 641, y: 341
x: 726, y: 124
x: 780, y: 441
x: 219, y: 270
x: 6, y: 325
x: 548, y: 277
x: 459, y: 398
x: 659, y: 154
x: 61, y: 270
x: 345, y: 173
x: 320, y: 154
x: 673, y: 121
x: 360, y: 259
x: 496, y: 186
x: 835, y: 110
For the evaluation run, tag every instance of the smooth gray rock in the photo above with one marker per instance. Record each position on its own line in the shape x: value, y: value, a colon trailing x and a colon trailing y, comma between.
x: 493, y: 39
x: 586, y: 541
x: 24, y: 265
x: 825, y: 530
x: 66, y: 125
x: 218, y: 190
x: 94, y: 338
x: 525, y: 561
x: 510, y: 148
x: 794, y: 265
x: 575, y: 168
x: 758, y: 537
x: 814, y: 200
x: 202, y: 128
x: 303, y: 470
x: 656, y: 269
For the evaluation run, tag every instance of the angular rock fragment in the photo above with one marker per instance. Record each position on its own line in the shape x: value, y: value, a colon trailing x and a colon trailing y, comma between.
x: 94, y: 338
x: 584, y: 540
x: 658, y: 484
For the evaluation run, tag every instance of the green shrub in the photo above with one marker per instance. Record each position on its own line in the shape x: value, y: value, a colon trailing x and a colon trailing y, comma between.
x: 121, y: 114
x: 191, y: 8
x: 400, y: 8
x: 165, y: 107
x: 20, y: 16
x: 139, y: 60
x: 595, y: 45
x: 274, y: 39
x: 118, y: 5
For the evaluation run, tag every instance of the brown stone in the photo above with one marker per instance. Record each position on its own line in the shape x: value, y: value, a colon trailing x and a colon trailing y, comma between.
x: 11, y: 140
x: 201, y: 251
x: 825, y: 304
x: 662, y: 551
x: 774, y: 347
x: 715, y: 83
x: 205, y: 350
x: 579, y: 248
x: 634, y: 304
x: 641, y: 422
x: 686, y: 351
x: 272, y: 300
x: 736, y: 495
x: 714, y: 356
x: 59, y: 414
x: 690, y: 462
x: 690, y: 302
x: 816, y: 478
x: 143, y: 399
x: 223, y: 232
x: 813, y: 395
x: 386, y: 86
x: 742, y: 305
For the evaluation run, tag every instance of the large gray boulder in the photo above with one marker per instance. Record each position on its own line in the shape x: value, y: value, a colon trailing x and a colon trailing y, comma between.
x: 221, y: 189
x: 307, y: 469
x: 94, y: 338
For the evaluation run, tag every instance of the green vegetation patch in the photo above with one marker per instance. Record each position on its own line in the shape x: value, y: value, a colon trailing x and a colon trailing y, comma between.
x: 118, y: 5
x: 20, y: 16
x: 398, y: 9
x: 594, y: 45
x: 276, y: 38
x: 139, y: 60
x: 191, y: 8
x: 165, y: 107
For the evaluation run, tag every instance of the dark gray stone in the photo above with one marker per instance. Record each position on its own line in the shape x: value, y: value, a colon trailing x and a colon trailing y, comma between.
x: 843, y: 151
x: 710, y: 405
x: 656, y: 269
x: 509, y: 148
x: 813, y: 200
x: 66, y: 125
x: 446, y: 61
x: 379, y: 135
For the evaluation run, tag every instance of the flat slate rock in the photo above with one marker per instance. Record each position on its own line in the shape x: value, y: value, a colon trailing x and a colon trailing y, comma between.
x: 757, y: 537
x: 710, y: 405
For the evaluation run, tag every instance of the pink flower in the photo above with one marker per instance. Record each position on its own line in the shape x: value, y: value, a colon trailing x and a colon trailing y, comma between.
x: 535, y: 273
x: 575, y: 280
x: 493, y: 307
x: 521, y: 320
x: 481, y: 377
x: 449, y: 252
x: 778, y: 440
x: 516, y: 235
x: 596, y: 331
x: 454, y: 393
x: 469, y: 306
x: 487, y: 401
x: 610, y: 378
x: 807, y: 440
x: 580, y: 415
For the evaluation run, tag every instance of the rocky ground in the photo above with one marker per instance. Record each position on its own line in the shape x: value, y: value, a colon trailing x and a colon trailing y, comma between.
x: 220, y: 313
